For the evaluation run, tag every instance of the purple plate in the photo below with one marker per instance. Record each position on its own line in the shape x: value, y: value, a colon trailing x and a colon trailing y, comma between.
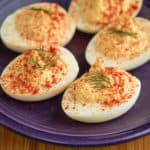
x: 47, y: 122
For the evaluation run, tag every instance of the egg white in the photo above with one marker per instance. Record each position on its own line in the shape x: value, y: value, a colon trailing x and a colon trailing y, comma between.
x: 93, y: 112
x: 91, y: 53
x: 86, y: 27
x: 12, y: 39
x: 72, y: 72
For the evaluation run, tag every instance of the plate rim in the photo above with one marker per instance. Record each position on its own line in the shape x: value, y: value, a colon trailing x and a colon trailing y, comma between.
x: 74, y: 141
x: 120, y: 138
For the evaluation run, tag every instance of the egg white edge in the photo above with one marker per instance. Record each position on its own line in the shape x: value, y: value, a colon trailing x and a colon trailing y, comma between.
x: 12, y: 39
x: 93, y: 113
x: 89, y: 28
x: 91, y: 54
x: 73, y: 69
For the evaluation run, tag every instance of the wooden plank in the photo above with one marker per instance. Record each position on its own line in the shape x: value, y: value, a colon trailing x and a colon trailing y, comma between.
x: 10, y: 140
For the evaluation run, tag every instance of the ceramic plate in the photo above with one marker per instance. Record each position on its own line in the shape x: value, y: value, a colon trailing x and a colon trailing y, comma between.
x: 47, y: 122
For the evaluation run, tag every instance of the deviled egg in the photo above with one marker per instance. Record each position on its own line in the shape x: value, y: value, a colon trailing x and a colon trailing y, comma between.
x: 37, y: 25
x: 37, y: 74
x: 125, y: 43
x: 102, y: 94
x: 92, y: 15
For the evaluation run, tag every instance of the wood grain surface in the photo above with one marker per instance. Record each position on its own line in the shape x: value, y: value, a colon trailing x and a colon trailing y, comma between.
x: 10, y: 140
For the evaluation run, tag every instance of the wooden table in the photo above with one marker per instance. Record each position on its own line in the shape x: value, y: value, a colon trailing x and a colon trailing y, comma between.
x: 10, y: 140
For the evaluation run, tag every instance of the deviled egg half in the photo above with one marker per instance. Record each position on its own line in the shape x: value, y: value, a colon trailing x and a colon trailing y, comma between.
x: 37, y: 25
x: 101, y: 94
x: 92, y: 15
x: 125, y: 43
x: 37, y: 74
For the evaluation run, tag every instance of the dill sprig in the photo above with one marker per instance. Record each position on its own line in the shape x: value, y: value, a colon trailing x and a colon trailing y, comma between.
x: 50, y: 62
x: 40, y: 9
x: 122, y: 33
x: 98, y: 81
x: 37, y: 66
x: 41, y: 53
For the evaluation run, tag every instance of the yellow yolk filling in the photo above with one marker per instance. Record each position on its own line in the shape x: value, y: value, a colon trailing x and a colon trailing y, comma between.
x: 105, y: 11
x: 42, y: 27
x: 129, y: 43
x: 121, y: 88
x: 99, y: 11
x: 34, y: 72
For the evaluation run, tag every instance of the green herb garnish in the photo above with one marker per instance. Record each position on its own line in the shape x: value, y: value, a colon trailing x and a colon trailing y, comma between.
x: 40, y: 9
x: 122, y: 33
x: 50, y: 61
x: 37, y: 66
x: 98, y: 81
x: 41, y: 53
